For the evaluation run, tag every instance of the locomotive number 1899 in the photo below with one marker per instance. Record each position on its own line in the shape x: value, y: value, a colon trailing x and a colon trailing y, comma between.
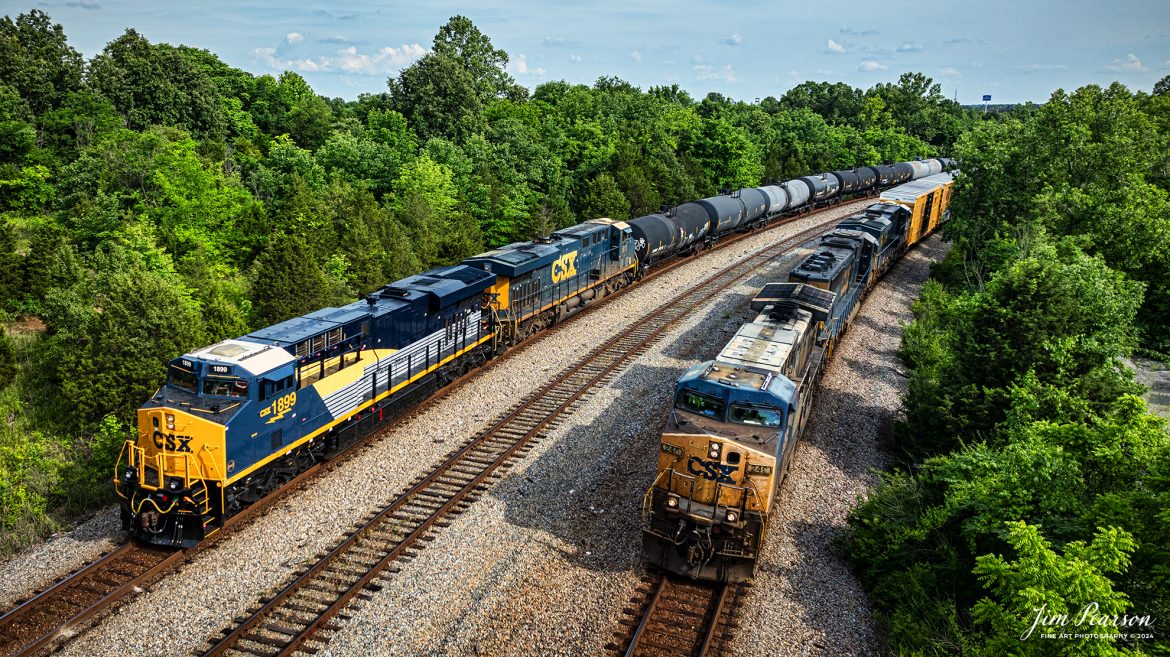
x: 279, y: 407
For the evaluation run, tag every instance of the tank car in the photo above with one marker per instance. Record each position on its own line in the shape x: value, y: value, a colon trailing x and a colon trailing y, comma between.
x: 724, y: 213
x: 798, y: 193
x: 777, y: 199
x: 822, y: 188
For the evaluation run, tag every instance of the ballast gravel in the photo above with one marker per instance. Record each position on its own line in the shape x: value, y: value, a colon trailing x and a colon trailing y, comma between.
x: 547, y: 561
x: 542, y: 564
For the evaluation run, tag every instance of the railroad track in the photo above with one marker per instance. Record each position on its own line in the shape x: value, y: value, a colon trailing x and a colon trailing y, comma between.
x: 300, y: 616
x: 680, y: 618
x: 63, y: 609
x: 70, y: 602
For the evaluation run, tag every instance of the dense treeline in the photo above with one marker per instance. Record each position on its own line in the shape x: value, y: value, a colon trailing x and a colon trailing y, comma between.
x: 1032, y: 479
x: 155, y: 199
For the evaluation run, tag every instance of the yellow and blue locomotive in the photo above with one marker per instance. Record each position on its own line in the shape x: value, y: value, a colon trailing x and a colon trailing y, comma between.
x: 238, y: 419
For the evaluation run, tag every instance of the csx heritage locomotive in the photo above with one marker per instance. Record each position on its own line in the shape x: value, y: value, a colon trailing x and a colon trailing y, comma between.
x: 729, y: 439
x: 238, y: 419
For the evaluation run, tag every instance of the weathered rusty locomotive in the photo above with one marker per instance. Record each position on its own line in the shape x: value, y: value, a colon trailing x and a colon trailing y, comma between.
x: 730, y: 436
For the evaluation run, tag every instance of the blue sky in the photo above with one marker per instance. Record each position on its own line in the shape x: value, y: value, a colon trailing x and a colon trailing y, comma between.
x: 1014, y: 50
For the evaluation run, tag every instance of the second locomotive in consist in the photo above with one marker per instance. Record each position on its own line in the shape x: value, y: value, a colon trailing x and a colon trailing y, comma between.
x: 237, y: 420
x: 729, y: 440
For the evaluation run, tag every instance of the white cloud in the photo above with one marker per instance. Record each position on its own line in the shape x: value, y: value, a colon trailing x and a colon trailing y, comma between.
x: 294, y: 37
x: 733, y: 40
x: 709, y: 72
x: 575, y: 57
x: 910, y: 47
x: 833, y: 46
x: 869, y: 66
x: 1030, y: 68
x: 636, y: 55
x: 850, y: 30
x: 1130, y: 63
x: 949, y: 71
x: 559, y: 42
x: 347, y: 60
x: 520, y: 65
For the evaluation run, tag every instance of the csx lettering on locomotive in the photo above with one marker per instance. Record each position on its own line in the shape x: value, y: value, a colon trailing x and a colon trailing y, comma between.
x: 172, y: 442
x: 713, y: 470
x: 565, y: 267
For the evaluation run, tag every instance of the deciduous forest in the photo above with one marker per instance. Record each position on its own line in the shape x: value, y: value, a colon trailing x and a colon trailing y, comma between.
x: 1028, y: 475
x: 155, y: 199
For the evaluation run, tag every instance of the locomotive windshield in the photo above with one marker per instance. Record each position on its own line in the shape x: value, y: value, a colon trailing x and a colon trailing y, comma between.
x: 225, y: 387
x: 181, y: 378
x: 689, y: 400
x: 760, y: 416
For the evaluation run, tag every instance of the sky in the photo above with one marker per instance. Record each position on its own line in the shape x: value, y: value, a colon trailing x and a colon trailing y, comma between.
x: 1014, y: 50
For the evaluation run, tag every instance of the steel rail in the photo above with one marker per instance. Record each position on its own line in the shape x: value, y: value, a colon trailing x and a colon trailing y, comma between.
x: 283, y: 613
x: 74, y: 618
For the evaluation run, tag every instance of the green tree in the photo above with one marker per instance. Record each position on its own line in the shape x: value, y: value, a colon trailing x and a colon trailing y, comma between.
x: 426, y: 202
x: 444, y: 93
x: 17, y: 134
x: 37, y: 61
x: 7, y: 360
x: 605, y: 199
x: 309, y: 121
x: 288, y: 281
x: 1042, y: 582
x: 837, y: 102
x: 9, y: 265
x: 114, y: 329
x: 157, y: 85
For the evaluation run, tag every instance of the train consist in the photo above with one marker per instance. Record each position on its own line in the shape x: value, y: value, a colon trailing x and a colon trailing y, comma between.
x: 237, y: 420
x: 729, y: 439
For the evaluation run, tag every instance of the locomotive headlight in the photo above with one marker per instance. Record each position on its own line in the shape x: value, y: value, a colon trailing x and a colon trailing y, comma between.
x: 128, y: 474
x: 170, y: 422
x: 732, y: 516
x: 174, y: 483
x: 672, y: 502
x: 714, y: 450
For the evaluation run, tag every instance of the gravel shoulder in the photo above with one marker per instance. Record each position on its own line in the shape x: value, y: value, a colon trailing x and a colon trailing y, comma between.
x: 220, y: 583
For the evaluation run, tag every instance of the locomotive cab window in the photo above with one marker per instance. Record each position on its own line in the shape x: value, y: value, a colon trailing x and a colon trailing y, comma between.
x: 759, y: 416
x: 181, y: 378
x: 225, y: 387
x: 689, y: 400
